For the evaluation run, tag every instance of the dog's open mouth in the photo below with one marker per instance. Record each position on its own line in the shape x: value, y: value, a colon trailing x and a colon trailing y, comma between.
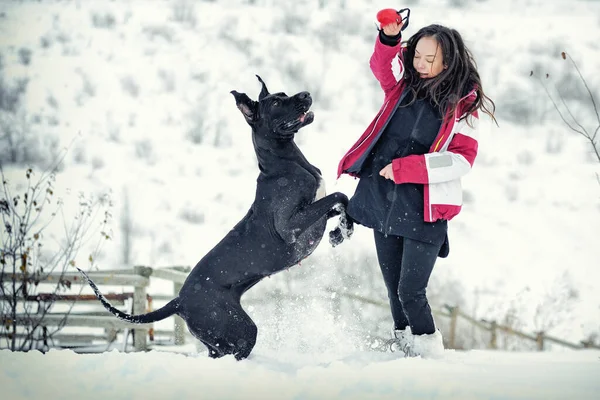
x: 304, y: 119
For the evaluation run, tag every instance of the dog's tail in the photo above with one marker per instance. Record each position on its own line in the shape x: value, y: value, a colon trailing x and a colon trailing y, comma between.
x: 169, y: 309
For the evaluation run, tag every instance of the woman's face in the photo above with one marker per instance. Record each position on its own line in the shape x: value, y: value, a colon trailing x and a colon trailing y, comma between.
x: 429, y: 60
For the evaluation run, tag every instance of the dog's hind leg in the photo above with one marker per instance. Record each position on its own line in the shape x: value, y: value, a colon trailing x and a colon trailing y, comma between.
x: 238, y: 334
x: 213, y: 352
x: 222, y: 325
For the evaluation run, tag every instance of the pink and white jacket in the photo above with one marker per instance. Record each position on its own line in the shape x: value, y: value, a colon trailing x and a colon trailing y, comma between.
x: 450, y: 157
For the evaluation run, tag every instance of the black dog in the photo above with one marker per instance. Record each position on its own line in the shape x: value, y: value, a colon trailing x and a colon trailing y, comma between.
x: 283, y: 226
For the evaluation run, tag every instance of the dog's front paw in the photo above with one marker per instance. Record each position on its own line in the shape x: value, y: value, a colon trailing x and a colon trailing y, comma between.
x: 346, y: 225
x: 347, y: 228
x: 336, y: 237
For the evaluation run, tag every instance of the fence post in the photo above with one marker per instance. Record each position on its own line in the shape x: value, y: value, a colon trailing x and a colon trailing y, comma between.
x: 139, y: 307
x: 539, y: 339
x: 179, y: 329
x: 453, y: 321
x: 111, y: 334
x: 494, y: 335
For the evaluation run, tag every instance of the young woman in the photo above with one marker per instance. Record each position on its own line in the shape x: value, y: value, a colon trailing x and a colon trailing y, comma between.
x: 410, y: 160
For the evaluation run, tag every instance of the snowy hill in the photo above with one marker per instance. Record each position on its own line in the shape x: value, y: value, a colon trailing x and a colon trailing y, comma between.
x: 143, y: 90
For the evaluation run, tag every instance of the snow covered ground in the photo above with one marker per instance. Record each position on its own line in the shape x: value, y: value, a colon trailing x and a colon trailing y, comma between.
x: 353, y: 376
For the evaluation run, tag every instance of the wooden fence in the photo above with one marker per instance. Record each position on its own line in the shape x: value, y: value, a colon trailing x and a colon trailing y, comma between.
x: 454, y: 314
x: 139, y: 277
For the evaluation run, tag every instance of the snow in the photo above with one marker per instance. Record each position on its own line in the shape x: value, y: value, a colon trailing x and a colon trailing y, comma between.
x: 62, y: 374
x: 145, y: 101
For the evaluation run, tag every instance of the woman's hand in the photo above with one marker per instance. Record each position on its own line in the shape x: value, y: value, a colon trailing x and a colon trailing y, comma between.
x: 390, y: 21
x: 392, y: 29
x: 387, y: 172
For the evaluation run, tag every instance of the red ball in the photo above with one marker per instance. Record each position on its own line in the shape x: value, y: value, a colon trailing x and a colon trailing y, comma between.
x: 387, y: 16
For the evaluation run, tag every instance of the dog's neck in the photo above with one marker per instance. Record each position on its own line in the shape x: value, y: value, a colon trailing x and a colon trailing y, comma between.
x: 270, y: 153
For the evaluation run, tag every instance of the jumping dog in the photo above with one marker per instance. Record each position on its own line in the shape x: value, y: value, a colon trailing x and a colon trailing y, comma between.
x: 284, y: 225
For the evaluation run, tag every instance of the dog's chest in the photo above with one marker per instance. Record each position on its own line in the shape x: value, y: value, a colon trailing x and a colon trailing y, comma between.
x: 321, y: 191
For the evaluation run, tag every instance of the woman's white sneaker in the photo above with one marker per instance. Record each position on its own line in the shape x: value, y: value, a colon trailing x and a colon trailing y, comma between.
x: 427, y: 346
x: 401, y: 340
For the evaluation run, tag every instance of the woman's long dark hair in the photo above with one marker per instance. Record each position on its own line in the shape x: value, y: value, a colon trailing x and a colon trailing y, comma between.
x: 454, y: 82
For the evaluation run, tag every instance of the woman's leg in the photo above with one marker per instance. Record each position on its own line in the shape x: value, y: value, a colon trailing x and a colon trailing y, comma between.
x: 389, y: 255
x: 418, y: 259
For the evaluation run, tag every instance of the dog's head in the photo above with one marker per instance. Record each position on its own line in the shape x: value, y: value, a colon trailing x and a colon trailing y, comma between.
x: 275, y: 114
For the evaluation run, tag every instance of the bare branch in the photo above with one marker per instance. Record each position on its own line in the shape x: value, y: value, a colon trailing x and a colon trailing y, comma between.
x: 558, y: 109
x: 562, y: 99
x: 582, y: 131
x: 587, y: 88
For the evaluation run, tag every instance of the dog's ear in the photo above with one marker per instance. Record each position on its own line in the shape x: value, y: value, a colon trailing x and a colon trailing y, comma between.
x: 264, y: 92
x: 246, y: 105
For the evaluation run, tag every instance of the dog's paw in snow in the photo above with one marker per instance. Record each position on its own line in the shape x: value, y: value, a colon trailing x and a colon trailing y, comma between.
x: 336, y: 237
x: 346, y: 225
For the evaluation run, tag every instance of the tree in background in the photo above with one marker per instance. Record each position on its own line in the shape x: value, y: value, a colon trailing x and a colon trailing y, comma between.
x: 40, y: 240
x: 575, y: 124
x: 20, y: 141
x: 566, y: 114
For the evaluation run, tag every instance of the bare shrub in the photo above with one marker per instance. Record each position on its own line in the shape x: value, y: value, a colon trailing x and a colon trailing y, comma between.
x: 519, y: 107
x: 557, y: 304
x: 565, y: 108
x: 512, y: 192
x: 25, y: 56
x: 88, y: 89
x: 459, y: 3
x: 207, y: 126
x: 167, y: 79
x: 184, y: 11
x: 126, y: 227
x: 19, y: 142
x: 145, y: 150
x: 103, y: 20
x: 98, y: 162
x: 12, y: 94
x: 159, y: 31
x: 468, y: 197
x: 191, y: 214
x: 30, y: 254
x: 293, y: 22
x: 525, y: 157
x: 130, y: 86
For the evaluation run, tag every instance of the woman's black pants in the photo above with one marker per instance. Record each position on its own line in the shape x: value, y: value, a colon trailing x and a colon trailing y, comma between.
x: 406, y: 266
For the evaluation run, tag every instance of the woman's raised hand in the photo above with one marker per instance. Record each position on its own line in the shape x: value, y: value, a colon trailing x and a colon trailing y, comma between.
x: 392, y: 29
x: 390, y: 21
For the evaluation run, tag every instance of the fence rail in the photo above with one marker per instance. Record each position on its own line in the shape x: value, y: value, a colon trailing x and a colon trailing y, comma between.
x: 454, y: 314
x: 142, y: 301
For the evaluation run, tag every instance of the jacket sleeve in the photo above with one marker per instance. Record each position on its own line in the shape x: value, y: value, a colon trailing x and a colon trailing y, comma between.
x: 447, y: 165
x: 381, y: 61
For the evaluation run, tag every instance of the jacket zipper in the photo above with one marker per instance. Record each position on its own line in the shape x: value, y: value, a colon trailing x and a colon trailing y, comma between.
x: 387, y: 226
x: 373, y: 130
x: 389, y: 117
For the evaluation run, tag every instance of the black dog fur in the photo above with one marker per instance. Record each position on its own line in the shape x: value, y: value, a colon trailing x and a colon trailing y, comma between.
x: 284, y: 225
